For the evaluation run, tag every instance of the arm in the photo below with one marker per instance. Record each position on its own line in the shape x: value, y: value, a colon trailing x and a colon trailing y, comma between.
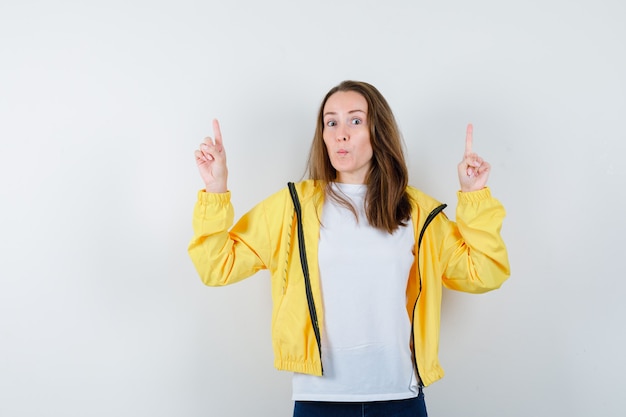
x: 221, y: 256
x: 474, y: 253
x: 477, y: 260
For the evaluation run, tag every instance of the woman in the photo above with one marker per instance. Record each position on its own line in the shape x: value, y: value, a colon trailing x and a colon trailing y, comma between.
x: 360, y: 327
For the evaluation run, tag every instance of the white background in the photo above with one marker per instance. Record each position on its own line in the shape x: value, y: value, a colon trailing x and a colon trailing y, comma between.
x: 103, y: 102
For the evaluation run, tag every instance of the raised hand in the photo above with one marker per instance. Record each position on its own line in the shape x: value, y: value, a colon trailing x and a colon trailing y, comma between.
x: 211, y: 161
x: 473, y: 170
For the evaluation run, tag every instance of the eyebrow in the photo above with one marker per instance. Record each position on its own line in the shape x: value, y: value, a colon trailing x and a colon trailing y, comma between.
x: 350, y: 112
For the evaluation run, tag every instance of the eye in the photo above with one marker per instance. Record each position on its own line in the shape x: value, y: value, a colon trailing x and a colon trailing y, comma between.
x: 356, y: 121
x: 331, y: 123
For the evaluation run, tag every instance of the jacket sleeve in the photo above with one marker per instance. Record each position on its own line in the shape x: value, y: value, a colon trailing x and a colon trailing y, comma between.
x: 222, y: 256
x: 475, y: 257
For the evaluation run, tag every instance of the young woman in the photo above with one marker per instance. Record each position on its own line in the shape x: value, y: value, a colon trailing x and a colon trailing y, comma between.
x: 357, y: 261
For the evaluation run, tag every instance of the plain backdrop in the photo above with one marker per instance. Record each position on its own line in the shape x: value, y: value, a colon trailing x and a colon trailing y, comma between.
x: 102, y: 104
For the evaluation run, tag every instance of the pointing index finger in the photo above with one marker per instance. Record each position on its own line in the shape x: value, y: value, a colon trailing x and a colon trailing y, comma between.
x: 217, y: 133
x: 469, y: 139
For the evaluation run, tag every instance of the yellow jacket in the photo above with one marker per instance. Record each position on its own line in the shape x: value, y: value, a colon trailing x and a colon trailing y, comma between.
x: 468, y: 255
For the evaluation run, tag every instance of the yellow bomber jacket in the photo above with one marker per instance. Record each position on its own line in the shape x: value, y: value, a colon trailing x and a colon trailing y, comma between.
x: 467, y: 255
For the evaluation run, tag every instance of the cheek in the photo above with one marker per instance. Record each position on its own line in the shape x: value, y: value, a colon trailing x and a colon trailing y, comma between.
x: 327, y: 141
x: 367, y: 144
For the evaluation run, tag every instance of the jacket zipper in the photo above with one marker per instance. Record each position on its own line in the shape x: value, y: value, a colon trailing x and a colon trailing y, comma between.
x: 429, y: 219
x: 305, y: 271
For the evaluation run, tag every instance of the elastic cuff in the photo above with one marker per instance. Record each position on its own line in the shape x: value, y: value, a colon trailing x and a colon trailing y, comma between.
x: 213, y: 198
x: 474, y: 196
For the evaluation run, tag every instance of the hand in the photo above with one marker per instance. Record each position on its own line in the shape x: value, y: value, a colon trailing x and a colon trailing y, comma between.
x: 473, y: 170
x: 211, y: 161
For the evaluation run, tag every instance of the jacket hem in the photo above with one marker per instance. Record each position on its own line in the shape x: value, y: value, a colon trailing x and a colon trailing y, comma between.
x: 300, y: 367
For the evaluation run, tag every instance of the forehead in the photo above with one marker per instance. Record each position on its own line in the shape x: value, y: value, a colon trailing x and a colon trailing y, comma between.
x: 345, y: 101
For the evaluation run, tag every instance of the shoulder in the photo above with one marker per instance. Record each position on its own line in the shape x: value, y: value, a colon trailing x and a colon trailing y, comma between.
x: 420, y: 201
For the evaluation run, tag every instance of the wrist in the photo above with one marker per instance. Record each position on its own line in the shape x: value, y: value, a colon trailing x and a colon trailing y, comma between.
x: 216, y: 190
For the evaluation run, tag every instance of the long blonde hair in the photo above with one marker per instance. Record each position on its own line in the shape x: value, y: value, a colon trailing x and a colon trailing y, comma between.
x: 387, y: 204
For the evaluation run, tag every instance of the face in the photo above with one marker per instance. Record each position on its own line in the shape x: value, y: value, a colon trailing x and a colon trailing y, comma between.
x: 347, y: 136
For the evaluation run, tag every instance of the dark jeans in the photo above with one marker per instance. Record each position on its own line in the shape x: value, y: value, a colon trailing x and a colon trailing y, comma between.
x: 412, y: 407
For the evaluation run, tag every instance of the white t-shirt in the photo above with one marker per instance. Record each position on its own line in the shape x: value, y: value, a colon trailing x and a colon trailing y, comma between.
x: 366, y: 332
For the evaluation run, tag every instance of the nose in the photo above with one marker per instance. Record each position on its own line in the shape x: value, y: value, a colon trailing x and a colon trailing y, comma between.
x: 342, y: 135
